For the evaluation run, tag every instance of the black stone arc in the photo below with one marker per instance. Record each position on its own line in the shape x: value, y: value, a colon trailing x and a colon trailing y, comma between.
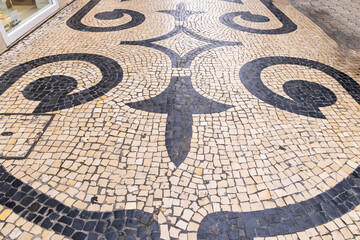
x: 298, y: 217
x: 52, y: 92
x: 75, y: 23
x: 71, y: 222
x: 287, y: 25
x: 307, y: 97
x: 180, y: 101
x: 176, y: 59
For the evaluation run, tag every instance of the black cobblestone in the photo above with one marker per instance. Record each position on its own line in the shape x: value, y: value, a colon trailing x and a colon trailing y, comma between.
x: 66, y: 221
x: 285, y: 220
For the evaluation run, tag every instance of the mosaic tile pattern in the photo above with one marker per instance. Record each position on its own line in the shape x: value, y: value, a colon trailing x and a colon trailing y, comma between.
x: 52, y: 91
x: 75, y: 21
x: 287, y: 25
x: 181, y: 13
x: 180, y: 101
x: 307, y: 97
x: 337, y: 19
x: 20, y: 133
x: 211, y: 119
x: 285, y: 220
x: 181, y: 60
x: 71, y: 222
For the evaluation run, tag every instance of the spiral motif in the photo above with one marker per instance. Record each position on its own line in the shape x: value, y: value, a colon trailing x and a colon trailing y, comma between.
x: 287, y: 25
x: 75, y: 21
x: 52, y: 92
x: 305, y: 100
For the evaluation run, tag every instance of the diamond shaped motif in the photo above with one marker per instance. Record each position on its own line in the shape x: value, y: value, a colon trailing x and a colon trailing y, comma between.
x: 182, y: 43
x: 187, y: 46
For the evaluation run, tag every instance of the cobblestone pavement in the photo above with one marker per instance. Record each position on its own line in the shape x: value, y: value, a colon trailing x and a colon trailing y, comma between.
x: 339, y: 19
x: 209, y: 119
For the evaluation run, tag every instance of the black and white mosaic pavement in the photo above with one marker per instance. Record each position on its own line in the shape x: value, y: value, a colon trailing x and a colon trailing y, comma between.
x: 35, y: 124
x: 288, y: 26
x: 185, y: 60
x: 75, y: 21
x: 181, y: 13
x: 323, y: 208
x: 229, y: 167
x: 71, y: 222
x: 52, y: 92
x: 179, y: 101
x: 307, y: 97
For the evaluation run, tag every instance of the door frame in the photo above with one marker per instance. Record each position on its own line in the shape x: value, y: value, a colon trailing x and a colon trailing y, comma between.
x: 29, y: 23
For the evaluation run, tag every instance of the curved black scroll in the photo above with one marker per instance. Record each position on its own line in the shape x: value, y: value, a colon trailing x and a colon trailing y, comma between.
x: 75, y: 21
x: 287, y: 27
x: 51, y: 214
x: 52, y: 91
x: 307, y: 97
x: 298, y: 217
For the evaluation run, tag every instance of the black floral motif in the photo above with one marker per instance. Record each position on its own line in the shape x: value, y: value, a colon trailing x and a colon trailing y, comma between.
x: 181, y: 13
x: 180, y: 101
